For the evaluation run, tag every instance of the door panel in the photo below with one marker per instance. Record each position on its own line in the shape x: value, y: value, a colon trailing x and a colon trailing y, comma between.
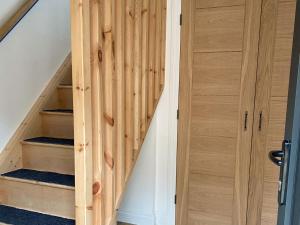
x: 219, y: 29
x: 222, y: 78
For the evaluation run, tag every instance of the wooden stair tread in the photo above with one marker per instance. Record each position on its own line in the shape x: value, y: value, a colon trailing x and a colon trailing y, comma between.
x: 65, y: 86
x: 41, y: 176
x: 58, y: 111
x: 10, y: 215
x: 50, y: 140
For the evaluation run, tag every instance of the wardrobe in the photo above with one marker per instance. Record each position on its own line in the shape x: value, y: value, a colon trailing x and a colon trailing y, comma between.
x: 234, y: 77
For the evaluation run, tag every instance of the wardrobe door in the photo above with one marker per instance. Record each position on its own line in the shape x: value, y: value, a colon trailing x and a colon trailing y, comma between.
x: 217, y: 88
x: 274, y: 62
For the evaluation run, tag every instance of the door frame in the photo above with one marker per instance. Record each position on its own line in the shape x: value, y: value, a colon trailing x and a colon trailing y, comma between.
x: 289, y: 213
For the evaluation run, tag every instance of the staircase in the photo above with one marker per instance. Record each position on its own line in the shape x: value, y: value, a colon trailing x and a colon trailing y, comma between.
x: 116, y: 78
x: 42, y: 190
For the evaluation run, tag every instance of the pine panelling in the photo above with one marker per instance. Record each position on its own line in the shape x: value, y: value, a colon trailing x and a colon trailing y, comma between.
x: 97, y: 98
x: 115, y: 79
x: 219, y: 29
x: 222, y: 78
x: 109, y: 109
x: 81, y: 70
x: 137, y: 95
x: 151, y: 78
x: 200, y: 4
x: 145, y: 65
x: 129, y: 82
x: 157, y: 68
x: 120, y: 76
x: 163, y: 43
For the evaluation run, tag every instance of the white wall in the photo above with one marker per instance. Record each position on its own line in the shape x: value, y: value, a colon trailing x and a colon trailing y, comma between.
x: 29, y: 56
x: 150, y: 196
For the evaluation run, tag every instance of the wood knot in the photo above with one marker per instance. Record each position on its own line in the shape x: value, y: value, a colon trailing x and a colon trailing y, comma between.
x: 100, y: 55
x: 144, y: 11
x: 97, y: 189
x: 109, y: 119
x: 109, y: 160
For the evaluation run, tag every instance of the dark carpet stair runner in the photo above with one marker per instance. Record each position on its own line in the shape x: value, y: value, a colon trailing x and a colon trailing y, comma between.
x: 14, y: 216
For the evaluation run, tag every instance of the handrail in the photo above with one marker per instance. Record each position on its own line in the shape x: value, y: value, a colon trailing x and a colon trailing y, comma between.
x: 16, y: 18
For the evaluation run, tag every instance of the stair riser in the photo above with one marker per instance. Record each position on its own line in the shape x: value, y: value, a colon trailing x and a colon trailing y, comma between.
x: 65, y: 98
x: 48, y: 158
x: 59, y: 126
x: 39, y: 198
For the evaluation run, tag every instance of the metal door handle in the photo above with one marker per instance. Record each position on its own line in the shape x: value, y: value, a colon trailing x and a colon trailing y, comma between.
x: 277, y: 157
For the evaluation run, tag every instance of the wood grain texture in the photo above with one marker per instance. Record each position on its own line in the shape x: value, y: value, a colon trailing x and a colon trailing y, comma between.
x: 129, y: 82
x: 120, y: 76
x: 262, y: 100
x: 218, y: 76
x: 109, y: 109
x: 246, y: 109
x: 200, y: 4
x: 118, y: 79
x: 278, y: 104
x: 219, y: 29
x: 81, y: 70
x: 41, y: 157
x: 145, y: 65
x: 222, y: 78
x: 98, y: 107
x: 48, y: 199
x: 137, y: 70
x: 151, y: 78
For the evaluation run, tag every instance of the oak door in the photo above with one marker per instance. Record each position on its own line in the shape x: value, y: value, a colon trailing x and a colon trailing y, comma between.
x: 219, y: 53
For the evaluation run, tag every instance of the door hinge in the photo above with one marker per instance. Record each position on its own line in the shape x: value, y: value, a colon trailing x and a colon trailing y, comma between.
x: 178, y: 114
x: 175, y: 199
x: 180, y: 20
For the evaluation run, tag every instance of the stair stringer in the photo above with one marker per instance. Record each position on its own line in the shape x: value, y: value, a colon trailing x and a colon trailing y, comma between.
x: 11, y: 156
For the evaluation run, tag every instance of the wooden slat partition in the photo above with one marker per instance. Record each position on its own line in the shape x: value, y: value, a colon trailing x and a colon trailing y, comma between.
x: 118, y: 50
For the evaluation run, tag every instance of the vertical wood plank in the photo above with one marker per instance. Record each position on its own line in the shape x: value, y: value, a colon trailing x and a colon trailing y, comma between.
x: 97, y: 101
x: 137, y: 75
x: 129, y: 30
x: 151, y: 82
x: 158, y: 38
x: 163, y: 43
x: 109, y: 109
x: 120, y: 121
x: 81, y: 69
x: 145, y: 65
